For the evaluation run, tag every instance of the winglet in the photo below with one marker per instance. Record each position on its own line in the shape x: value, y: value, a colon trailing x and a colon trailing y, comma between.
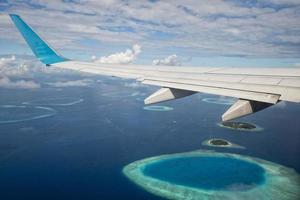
x: 40, y: 48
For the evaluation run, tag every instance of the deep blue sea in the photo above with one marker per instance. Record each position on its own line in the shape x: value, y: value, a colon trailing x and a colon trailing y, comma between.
x: 79, y: 150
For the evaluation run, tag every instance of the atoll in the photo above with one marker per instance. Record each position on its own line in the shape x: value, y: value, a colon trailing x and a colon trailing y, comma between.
x: 222, y: 101
x: 15, y: 113
x: 117, y: 94
x: 206, y: 175
x: 158, y: 108
x: 63, y: 101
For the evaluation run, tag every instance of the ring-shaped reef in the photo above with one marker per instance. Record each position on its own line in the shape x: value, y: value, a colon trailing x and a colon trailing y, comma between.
x: 240, y: 126
x: 217, y: 142
x: 15, y: 113
x: 221, y: 101
x: 158, y: 108
x: 207, y: 175
x: 135, y: 94
x: 118, y: 94
x: 63, y: 101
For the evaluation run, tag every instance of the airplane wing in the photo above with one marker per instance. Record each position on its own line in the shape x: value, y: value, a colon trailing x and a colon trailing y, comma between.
x: 255, y: 88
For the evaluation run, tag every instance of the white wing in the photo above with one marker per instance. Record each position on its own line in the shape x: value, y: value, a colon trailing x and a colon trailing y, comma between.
x: 255, y: 88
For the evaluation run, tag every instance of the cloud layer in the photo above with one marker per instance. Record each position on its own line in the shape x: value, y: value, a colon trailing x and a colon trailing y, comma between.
x: 266, y: 28
x: 23, y: 72
x: 6, y: 82
x: 9, y: 67
x: 171, y: 60
x: 125, y: 57
x: 74, y: 83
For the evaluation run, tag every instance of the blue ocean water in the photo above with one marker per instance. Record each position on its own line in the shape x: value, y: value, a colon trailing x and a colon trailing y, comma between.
x: 210, y: 173
x: 79, y: 152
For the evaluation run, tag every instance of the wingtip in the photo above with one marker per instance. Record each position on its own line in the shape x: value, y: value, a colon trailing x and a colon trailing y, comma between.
x: 13, y: 15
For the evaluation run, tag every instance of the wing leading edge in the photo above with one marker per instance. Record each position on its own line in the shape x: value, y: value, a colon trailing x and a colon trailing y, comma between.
x: 255, y: 88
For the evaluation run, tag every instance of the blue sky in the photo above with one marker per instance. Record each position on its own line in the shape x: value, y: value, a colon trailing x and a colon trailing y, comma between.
x: 214, y: 32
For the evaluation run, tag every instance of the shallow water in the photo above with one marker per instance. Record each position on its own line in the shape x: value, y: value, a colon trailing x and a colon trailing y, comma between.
x: 21, y: 113
x: 221, y: 101
x: 211, y: 173
x: 62, y: 101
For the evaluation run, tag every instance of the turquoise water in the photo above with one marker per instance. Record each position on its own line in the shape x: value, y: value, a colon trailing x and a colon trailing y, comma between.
x: 211, y: 173
x: 63, y: 101
x: 158, y: 108
x: 222, y: 101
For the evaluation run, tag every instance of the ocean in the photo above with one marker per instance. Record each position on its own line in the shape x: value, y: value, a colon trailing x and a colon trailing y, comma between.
x: 79, y: 146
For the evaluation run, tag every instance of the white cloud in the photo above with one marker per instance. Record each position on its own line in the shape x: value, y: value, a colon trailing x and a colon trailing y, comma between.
x: 21, y: 66
x: 9, y: 67
x: 171, y: 60
x: 7, y: 60
x: 13, y: 70
x: 6, y: 82
x: 125, y: 57
x: 233, y: 31
x: 76, y: 83
x: 94, y: 58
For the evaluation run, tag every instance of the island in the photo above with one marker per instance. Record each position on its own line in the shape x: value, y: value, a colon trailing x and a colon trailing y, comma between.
x: 202, y: 175
x: 217, y: 142
x: 243, y: 126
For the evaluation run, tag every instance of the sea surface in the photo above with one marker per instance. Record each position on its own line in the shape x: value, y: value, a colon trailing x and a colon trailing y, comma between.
x: 206, y: 172
x: 78, y: 149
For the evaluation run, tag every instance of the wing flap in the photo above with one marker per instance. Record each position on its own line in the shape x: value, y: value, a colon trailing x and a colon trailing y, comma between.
x: 286, y: 88
x: 256, y: 96
x: 284, y: 93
